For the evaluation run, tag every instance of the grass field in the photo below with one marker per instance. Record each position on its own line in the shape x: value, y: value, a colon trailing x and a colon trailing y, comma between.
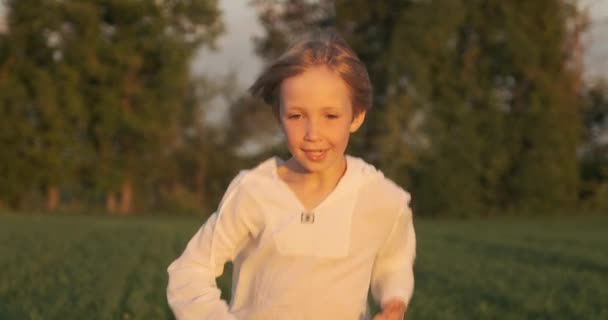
x: 92, y: 267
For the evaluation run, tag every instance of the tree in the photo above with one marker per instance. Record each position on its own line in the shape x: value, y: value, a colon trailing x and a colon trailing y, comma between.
x: 98, y: 87
x: 491, y: 99
x: 594, y: 159
x: 41, y: 104
x: 476, y: 103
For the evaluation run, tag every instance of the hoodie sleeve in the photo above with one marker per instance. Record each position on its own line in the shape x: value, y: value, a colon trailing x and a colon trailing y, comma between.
x: 393, y: 274
x: 192, y: 291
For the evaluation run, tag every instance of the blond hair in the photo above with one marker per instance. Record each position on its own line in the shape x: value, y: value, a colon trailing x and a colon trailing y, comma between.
x: 322, y: 47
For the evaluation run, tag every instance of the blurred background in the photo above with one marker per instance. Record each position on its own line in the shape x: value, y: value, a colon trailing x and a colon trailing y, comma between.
x: 122, y: 122
x: 481, y: 107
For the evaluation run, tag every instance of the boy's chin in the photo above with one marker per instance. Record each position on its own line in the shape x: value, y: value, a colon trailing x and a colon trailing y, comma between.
x: 316, y: 164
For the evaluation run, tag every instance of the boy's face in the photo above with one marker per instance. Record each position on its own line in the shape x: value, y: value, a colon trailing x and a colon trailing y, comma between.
x: 316, y: 115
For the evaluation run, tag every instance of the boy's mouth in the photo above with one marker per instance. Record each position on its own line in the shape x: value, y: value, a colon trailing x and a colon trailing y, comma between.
x: 315, y: 154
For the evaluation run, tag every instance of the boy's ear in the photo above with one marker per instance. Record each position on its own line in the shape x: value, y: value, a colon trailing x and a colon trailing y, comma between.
x: 357, y: 121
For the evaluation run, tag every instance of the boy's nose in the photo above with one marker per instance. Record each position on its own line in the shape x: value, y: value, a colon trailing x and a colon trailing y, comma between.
x: 312, y: 131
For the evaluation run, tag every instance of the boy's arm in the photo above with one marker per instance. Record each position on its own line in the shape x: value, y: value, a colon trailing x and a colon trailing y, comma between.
x: 393, y: 274
x: 192, y: 291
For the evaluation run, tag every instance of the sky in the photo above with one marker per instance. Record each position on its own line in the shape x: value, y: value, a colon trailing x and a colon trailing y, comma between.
x: 236, y: 51
x: 596, y: 40
x: 2, y: 20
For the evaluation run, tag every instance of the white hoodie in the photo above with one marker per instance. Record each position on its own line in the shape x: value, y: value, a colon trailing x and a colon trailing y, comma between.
x: 292, y: 264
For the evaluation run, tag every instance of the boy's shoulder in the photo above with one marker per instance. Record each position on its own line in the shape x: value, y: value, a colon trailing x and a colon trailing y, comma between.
x: 257, y: 175
x: 375, y: 185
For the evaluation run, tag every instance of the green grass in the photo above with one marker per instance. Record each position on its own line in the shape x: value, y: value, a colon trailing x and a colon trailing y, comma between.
x: 97, y: 267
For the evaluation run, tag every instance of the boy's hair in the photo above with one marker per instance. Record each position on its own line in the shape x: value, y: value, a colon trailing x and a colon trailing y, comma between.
x: 322, y: 47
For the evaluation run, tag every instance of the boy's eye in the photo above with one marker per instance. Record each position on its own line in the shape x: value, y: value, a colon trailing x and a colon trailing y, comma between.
x: 332, y: 116
x: 293, y: 116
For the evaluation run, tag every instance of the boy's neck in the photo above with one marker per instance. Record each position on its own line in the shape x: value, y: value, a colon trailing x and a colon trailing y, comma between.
x: 294, y: 173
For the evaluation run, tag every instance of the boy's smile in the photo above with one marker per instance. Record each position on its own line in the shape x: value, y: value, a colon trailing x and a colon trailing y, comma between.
x: 316, y: 115
x: 315, y: 155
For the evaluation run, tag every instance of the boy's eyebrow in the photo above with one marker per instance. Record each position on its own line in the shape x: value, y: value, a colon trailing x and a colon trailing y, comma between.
x: 331, y: 109
x: 293, y: 108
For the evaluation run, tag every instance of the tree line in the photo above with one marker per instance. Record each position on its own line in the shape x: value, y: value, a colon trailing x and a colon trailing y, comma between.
x: 480, y: 107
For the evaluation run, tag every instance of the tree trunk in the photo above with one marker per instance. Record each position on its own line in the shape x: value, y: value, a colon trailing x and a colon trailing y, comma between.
x: 52, y: 198
x: 111, y: 202
x: 126, y: 197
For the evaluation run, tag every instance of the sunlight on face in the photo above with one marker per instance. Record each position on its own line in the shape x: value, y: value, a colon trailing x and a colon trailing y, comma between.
x: 316, y: 115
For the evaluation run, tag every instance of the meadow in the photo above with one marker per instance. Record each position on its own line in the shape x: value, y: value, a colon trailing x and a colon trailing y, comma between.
x: 102, y: 267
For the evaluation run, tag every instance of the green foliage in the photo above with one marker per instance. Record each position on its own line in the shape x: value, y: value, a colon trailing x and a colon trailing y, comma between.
x: 100, y: 267
x: 39, y: 105
x: 476, y: 106
x: 284, y: 20
x: 93, y: 91
x: 469, y: 102
x: 594, y: 162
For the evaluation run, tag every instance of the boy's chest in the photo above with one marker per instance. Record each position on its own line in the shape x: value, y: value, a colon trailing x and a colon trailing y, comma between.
x: 340, y: 228
x: 309, y: 198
